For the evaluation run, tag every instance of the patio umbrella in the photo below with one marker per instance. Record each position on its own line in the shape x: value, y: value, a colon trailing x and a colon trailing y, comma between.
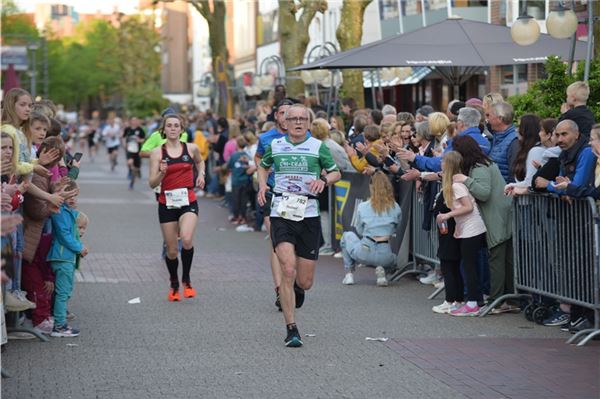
x: 11, y: 80
x: 456, y: 47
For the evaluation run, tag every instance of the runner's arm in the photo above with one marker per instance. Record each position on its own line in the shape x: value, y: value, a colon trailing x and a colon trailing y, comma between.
x: 155, y: 176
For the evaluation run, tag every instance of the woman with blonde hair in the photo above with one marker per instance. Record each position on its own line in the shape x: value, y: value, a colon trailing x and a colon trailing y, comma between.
x: 337, y: 123
x: 376, y: 221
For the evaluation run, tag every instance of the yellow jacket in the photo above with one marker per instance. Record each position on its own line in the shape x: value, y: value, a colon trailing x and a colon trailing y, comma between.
x: 361, y: 163
x: 202, y: 144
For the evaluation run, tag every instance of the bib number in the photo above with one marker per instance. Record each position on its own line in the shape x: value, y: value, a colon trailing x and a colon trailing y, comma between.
x: 292, y: 206
x: 177, y: 198
x: 133, y: 146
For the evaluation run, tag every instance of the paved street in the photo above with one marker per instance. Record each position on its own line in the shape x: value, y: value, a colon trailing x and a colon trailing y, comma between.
x: 228, y: 342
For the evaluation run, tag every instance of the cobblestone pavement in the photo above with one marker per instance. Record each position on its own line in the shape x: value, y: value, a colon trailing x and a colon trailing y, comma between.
x: 228, y: 342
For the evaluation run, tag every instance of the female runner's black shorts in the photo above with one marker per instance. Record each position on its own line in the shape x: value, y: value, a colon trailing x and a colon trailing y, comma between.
x: 166, y: 215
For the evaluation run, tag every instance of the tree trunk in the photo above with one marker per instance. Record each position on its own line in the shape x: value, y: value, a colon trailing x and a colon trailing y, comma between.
x: 294, y: 37
x: 596, y: 29
x: 217, y: 41
x: 349, y: 35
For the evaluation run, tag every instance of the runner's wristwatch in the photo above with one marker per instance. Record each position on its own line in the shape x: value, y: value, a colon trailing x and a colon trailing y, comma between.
x: 324, y: 178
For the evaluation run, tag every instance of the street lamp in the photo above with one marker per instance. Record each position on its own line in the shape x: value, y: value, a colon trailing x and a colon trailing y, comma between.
x: 525, y: 30
x: 562, y: 22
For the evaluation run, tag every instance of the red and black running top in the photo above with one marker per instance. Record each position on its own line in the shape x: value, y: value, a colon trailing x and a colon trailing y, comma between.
x: 180, y: 174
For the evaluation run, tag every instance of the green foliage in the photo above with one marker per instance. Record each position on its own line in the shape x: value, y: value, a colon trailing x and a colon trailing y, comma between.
x: 17, y: 28
x: 545, y: 96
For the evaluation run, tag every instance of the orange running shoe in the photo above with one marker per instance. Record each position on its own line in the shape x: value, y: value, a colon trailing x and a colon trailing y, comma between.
x: 174, y: 295
x: 188, y: 291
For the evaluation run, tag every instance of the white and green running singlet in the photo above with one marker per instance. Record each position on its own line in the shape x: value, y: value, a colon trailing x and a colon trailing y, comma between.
x: 294, y: 164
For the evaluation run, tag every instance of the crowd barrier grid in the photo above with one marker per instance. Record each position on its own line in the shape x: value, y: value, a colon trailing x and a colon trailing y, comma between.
x: 555, y: 247
x: 424, y: 243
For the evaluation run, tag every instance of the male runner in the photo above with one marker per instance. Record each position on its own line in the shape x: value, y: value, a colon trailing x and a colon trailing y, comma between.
x: 264, y: 140
x: 303, y: 168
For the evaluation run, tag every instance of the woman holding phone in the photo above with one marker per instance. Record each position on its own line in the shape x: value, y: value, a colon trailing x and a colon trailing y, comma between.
x: 176, y: 168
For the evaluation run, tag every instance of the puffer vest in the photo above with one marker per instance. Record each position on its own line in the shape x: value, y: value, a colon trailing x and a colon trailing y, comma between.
x: 499, y: 152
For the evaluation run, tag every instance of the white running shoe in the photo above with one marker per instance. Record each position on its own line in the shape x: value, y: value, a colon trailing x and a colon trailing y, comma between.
x: 443, y: 308
x: 338, y: 255
x: 244, y: 228
x: 349, y: 279
x: 431, y: 278
x: 381, y: 279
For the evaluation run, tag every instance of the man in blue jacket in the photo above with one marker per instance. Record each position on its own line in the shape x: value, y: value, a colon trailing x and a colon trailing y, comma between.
x: 504, y: 143
x: 577, y: 161
x: 467, y: 124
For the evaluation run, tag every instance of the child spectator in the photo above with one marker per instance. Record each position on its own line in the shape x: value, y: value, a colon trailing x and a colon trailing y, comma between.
x: 64, y: 256
x: 239, y: 163
x: 38, y: 279
x: 470, y: 229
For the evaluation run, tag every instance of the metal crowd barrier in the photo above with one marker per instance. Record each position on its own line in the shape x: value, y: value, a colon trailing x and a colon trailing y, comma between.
x: 555, y: 246
x: 424, y: 243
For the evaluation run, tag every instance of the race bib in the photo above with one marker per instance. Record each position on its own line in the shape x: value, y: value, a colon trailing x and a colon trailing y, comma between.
x: 292, y: 206
x: 133, y: 146
x: 177, y: 198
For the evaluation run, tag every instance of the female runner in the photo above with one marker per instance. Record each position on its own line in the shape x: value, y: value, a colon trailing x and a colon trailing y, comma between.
x: 177, y: 168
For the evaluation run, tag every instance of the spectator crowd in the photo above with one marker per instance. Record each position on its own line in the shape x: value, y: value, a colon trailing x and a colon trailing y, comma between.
x: 466, y: 163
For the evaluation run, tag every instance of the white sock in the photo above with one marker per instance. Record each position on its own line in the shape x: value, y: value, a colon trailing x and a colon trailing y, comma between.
x: 472, y: 304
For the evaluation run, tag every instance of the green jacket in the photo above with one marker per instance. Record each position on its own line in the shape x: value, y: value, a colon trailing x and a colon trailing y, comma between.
x: 486, y: 184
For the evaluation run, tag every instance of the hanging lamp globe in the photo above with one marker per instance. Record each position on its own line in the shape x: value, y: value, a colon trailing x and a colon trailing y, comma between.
x: 562, y: 23
x: 525, y: 30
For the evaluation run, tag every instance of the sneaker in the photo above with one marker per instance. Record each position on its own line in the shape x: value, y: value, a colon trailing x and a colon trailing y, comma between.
x: 188, y: 291
x: 584, y: 324
x: 15, y: 301
x: 557, y: 318
x: 380, y: 274
x: 244, y: 228
x: 174, y: 295
x: 573, y: 324
x: 299, y: 292
x: 64, y: 331
x: 263, y: 228
x: 277, y: 299
x: 465, y: 310
x: 431, y: 278
x: 349, y: 279
x: 45, y: 327
x: 338, y: 255
x: 326, y: 251
x: 293, y: 339
x: 443, y: 308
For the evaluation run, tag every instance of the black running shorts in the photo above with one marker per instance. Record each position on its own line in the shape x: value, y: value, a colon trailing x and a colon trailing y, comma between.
x: 137, y: 161
x: 305, y: 235
x: 166, y: 215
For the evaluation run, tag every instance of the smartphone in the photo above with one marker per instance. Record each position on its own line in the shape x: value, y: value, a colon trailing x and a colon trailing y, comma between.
x: 77, y: 156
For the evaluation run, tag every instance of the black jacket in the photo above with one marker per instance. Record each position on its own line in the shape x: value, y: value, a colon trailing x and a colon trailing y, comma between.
x: 449, y: 247
x: 583, y: 117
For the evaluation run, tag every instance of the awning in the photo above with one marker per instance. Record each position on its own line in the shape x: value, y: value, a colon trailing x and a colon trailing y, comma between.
x: 418, y: 74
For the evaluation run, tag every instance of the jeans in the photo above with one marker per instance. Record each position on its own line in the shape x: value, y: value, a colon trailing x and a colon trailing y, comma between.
x: 63, y: 288
x: 365, y: 251
x: 326, y: 229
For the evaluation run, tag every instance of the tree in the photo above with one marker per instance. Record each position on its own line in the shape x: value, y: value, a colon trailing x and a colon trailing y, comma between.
x: 16, y: 26
x: 294, y: 36
x: 545, y: 96
x: 349, y: 35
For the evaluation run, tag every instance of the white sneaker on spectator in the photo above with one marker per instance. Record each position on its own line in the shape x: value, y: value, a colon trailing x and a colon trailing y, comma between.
x: 338, y: 255
x: 381, y: 279
x: 244, y: 228
x: 348, y: 279
x: 15, y: 301
x: 45, y: 327
x: 263, y: 228
x: 431, y: 278
x: 439, y: 284
x: 443, y: 308
x: 326, y: 251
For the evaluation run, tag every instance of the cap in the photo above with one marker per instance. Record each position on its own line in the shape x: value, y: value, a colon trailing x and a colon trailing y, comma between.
x: 168, y: 111
x: 425, y: 110
x: 286, y: 101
